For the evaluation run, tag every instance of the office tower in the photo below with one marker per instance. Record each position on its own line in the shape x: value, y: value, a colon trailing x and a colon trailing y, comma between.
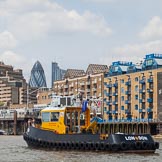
x: 57, y: 73
x: 37, y: 78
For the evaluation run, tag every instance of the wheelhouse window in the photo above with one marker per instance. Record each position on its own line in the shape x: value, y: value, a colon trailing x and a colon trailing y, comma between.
x: 45, y: 116
x: 54, y: 116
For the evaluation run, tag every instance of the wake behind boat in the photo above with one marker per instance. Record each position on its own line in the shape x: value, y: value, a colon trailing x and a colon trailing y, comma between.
x: 65, y: 124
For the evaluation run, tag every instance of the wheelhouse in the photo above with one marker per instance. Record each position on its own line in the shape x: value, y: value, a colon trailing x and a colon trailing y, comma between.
x: 64, y: 118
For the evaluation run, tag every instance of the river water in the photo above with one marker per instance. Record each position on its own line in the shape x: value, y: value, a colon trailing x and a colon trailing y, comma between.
x: 14, y: 149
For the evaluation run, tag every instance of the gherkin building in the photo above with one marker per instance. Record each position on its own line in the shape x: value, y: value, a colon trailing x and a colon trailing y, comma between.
x: 37, y: 78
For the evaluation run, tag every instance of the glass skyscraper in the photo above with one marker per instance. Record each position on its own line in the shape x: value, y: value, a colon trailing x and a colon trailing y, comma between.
x: 57, y: 73
x: 37, y: 78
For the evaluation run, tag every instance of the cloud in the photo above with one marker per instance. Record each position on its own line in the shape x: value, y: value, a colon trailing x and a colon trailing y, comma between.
x: 99, y: 1
x: 33, y: 19
x: 9, y: 57
x: 153, y: 30
x: 16, y: 60
x: 7, y: 40
x: 132, y: 52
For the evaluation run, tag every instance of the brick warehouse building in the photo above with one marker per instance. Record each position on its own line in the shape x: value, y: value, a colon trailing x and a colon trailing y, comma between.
x: 89, y: 83
x: 133, y: 93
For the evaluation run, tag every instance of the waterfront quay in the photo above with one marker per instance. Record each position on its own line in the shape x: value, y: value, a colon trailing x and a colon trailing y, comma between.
x: 16, y: 123
x: 135, y: 127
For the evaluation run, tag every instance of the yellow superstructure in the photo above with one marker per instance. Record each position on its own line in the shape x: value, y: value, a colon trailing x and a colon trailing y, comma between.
x: 66, y: 119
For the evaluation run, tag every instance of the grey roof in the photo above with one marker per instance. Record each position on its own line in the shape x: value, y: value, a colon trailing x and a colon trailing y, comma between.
x: 159, y: 61
x: 124, y: 68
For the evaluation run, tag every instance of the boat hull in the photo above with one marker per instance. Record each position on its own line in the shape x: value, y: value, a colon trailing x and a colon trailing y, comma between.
x: 37, y: 138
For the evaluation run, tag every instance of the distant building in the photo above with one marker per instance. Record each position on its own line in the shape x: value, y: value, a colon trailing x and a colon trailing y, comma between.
x: 37, y: 78
x: 12, y: 85
x: 89, y: 84
x: 57, y: 73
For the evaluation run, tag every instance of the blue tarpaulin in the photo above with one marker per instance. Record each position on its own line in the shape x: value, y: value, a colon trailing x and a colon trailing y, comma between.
x: 84, y: 106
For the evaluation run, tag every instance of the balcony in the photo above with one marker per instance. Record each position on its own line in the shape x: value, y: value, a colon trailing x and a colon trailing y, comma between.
x: 149, y: 109
x: 115, y: 85
x: 88, y: 83
x: 126, y: 111
x: 115, y: 102
x: 127, y: 101
x: 150, y: 100
x: 115, y: 93
x: 82, y: 83
x: 143, y: 110
x: 150, y: 80
x: 108, y: 94
x: 142, y: 90
x: 94, y: 82
x: 141, y: 100
x: 109, y: 86
x: 142, y: 81
x: 109, y: 103
x: 128, y: 83
x: 94, y: 89
x: 66, y: 86
x: 109, y: 112
x: 114, y: 112
x: 149, y: 90
x: 88, y: 90
x: 128, y: 92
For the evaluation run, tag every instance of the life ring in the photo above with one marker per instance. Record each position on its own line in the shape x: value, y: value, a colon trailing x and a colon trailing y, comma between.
x: 40, y: 142
x: 92, y: 146
x: 77, y: 146
x: 82, y: 146
x: 97, y: 146
x: 73, y: 146
x: 123, y: 146
x: 68, y: 145
x: 48, y: 144
x: 45, y: 144
x: 87, y: 145
x: 144, y: 145
x: 64, y: 145
x: 55, y: 144
x: 156, y: 144
x: 107, y: 147
x: 131, y: 146
x: 102, y: 146
x: 138, y: 145
x: 114, y: 147
x: 59, y: 145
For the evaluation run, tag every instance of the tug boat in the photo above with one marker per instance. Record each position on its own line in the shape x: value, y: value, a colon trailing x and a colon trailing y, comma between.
x: 66, y: 125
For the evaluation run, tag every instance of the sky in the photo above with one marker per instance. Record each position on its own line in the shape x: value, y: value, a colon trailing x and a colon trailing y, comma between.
x: 76, y: 33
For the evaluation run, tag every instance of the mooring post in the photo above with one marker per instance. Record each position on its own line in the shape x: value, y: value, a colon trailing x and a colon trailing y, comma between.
x: 15, y: 123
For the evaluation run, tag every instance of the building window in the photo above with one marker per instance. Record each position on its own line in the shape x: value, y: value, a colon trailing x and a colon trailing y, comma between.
x: 136, y: 107
x: 122, y: 90
x: 136, y: 97
x: 122, y: 108
x: 122, y: 81
x: 136, y: 79
x: 136, y: 88
x: 149, y: 62
x: 122, y: 98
